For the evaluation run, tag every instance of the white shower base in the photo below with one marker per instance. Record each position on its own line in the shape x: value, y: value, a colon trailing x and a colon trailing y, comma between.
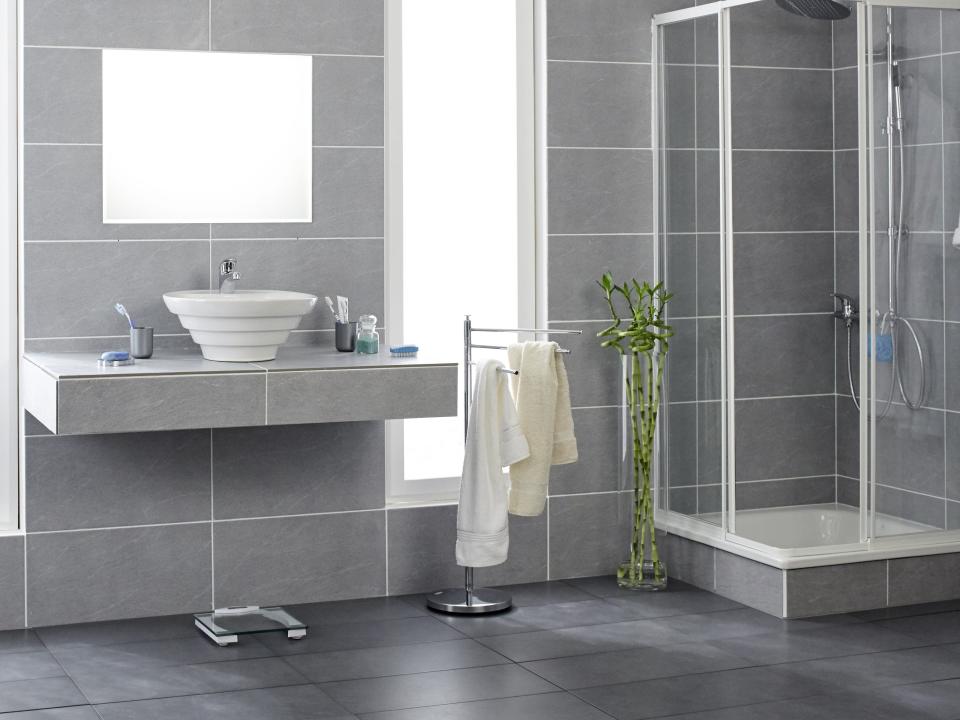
x: 805, y: 526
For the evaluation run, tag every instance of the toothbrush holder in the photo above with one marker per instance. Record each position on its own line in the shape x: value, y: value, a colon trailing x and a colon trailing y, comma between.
x: 345, y: 336
x: 141, y: 342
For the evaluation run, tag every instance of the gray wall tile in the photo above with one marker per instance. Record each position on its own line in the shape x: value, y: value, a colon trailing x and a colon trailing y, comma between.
x: 953, y: 455
x: 951, y: 95
x: 600, y: 191
x: 708, y: 190
x: 848, y: 491
x: 598, y: 444
x: 845, y: 126
x: 299, y: 559
x: 589, y: 534
x: 690, y: 561
x: 350, y: 27
x: 63, y: 199
x: 681, y: 372
x: 917, y: 31
x: 709, y: 277
x: 836, y: 589
x: 373, y: 394
x: 422, y: 551
x: 678, y: 99
x: 684, y: 500
x: 61, y: 299
x: 781, y: 109
x: 347, y: 101
x: 169, y: 25
x: 911, y: 506
x: 602, y: 29
x: 780, y: 493
x: 598, y: 105
x: 751, y: 583
x: 11, y: 583
x: 679, y: 182
x: 921, y: 275
x: 576, y: 263
x: 122, y: 479
x: 910, y: 450
x: 783, y: 273
x: 140, y: 404
x: 765, y: 35
x: 112, y: 574
x: 788, y: 437
x: 765, y: 191
x: 61, y: 96
x: 922, y: 98
x: 710, y: 443
x: 924, y: 579
x: 784, y: 355
x: 680, y: 274
x: 848, y: 438
x: 595, y: 372
x: 847, y: 190
x: 351, y: 267
x: 679, y: 422
x: 709, y: 360
x: 259, y: 472
x: 347, y: 199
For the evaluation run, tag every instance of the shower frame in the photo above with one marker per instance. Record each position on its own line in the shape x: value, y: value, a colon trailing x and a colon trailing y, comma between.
x: 724, y: 536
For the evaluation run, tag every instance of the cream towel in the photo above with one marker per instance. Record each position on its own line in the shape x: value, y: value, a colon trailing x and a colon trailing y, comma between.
x: 493, y: 441
x: 542, y: 393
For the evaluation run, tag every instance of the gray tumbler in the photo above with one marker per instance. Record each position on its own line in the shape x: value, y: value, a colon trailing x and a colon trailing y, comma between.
x: 141, y: 342
x: 345, y: 336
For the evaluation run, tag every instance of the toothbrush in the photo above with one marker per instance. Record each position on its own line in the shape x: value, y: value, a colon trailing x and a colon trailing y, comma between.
x: 332, y: 311
x: 123, y: 311
x: 344, y: 306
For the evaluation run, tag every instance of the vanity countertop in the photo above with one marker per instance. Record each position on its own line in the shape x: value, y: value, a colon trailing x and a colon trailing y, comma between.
x: 177, y: 389
x: 64, y: 365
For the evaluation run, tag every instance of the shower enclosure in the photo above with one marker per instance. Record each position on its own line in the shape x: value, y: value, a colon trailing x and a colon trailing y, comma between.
x: 808, y: 192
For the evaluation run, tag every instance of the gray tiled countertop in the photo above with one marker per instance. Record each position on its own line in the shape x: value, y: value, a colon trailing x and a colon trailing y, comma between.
x: 177, y: 390
x: 64, y: 365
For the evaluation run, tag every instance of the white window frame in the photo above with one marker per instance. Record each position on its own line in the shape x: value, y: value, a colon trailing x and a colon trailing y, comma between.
x: 10, y: 435
x: 531, y: 260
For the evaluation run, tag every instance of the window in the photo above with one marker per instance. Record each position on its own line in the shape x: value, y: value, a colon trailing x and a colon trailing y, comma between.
x: 460, y: 197
x: 9, y: 406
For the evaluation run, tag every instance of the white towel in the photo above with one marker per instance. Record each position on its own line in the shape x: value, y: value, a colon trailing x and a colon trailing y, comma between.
x: 543, y: 405
x: 494, y: 440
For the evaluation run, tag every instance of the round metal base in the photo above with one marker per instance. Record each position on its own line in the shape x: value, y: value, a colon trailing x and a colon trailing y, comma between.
x: 482, y: 601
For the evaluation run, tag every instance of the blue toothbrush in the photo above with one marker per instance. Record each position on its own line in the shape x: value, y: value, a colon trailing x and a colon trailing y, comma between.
x: 123, y: 311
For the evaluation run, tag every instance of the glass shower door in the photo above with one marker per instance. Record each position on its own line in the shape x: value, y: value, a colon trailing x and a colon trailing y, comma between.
x: 690, y: 264
x: 913, y: 130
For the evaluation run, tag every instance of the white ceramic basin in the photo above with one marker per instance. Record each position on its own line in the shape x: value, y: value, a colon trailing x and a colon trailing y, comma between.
x: 242, y: 326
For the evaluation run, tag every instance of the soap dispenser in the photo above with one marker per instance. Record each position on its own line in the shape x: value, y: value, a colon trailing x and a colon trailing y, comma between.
x: 368, y: 339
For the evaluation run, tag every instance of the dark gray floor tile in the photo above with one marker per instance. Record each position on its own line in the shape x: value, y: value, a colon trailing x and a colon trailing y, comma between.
x: 75, y: 712
x: 353, y: 636
x: 939, y: 699
x: 298, y: 702
x: 117, y: 631
x: 450, y: 686
x: 19, y: 641
x: 664, y: 604
x: 545, y: 593
x: 723, y: 624
x: 850, y: 639
x: 635, y: 665
x: 546, y: 644
x: 28, y: 666
x: 547, y: 617
x: 836, y: 707
x: 884, y: 669
x: 136, y: 656
x: 707, y: 691
x: 39, y: 694
x: 902, y: 611
x: 398, y: 660
x: 106, y: 685
x: 935, y: 628
x: 549, y: 706
x: 360, y: 610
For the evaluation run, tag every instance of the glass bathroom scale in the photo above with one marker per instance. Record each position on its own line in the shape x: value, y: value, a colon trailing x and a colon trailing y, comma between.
x: 225, y: 625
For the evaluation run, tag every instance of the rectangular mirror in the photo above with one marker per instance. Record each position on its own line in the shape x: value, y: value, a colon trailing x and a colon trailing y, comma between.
x: 205, y: 137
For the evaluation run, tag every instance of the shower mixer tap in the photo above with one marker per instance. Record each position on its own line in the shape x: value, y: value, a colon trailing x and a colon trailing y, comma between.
x: 847, y: 311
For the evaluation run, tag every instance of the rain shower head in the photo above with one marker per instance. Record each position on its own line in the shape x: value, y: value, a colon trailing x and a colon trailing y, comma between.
x: 817, y: 9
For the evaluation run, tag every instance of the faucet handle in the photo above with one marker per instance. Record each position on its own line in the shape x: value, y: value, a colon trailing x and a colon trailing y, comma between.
x: 228, y: 266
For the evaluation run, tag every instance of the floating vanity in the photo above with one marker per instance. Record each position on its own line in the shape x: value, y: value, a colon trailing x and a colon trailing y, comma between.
x: 177, y: 390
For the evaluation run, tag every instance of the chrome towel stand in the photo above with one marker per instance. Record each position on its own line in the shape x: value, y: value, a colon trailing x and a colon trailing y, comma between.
x: 470, y: 600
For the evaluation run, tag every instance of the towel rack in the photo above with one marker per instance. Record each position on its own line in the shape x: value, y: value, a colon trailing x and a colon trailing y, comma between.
x: 470, y: 600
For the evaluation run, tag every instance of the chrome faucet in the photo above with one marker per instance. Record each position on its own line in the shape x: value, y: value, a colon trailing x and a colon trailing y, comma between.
x: 847, y: 310
x: 228, y: 275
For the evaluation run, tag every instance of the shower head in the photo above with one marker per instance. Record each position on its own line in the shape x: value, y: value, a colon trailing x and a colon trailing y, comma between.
x: 817, y: 9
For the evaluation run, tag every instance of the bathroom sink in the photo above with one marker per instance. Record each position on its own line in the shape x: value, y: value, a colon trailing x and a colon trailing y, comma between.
x: 241, y: 326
